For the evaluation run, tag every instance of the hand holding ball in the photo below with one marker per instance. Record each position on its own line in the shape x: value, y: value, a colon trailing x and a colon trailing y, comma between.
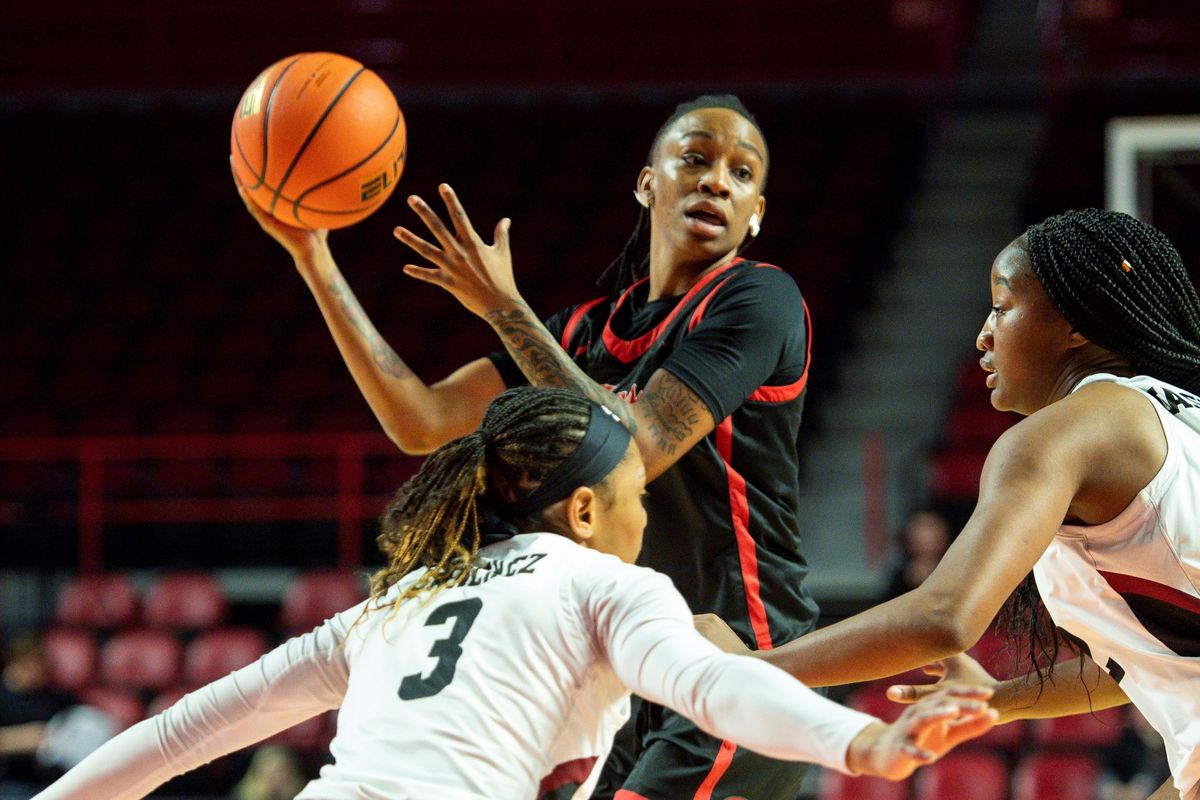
x: 318, y: 141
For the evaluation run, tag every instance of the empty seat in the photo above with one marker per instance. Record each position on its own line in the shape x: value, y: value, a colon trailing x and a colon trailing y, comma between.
x: 216, y: 653
x: 836, y: 786
x: 978, y: 775
x: 313, y: 597
x: 141, y: 659
x: 1056, y: 776
x: 121, y: 704
x: 185, y: 601
x: 98, y: 601
x: 1095, y: 730
x: 71, y: 657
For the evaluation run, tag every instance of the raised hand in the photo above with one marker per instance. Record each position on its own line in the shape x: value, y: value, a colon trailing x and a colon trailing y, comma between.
x: 959, y: 670
x: 478, y: 274
x: 302, y: 243
x: 926, y: 731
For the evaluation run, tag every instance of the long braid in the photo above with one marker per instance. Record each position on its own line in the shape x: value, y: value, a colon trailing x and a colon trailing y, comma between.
x: 1122, y: 284
x: 436, y: 517
x: 633, y: 262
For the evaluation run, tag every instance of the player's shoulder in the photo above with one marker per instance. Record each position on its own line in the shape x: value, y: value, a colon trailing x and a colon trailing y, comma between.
x: 762, y: 277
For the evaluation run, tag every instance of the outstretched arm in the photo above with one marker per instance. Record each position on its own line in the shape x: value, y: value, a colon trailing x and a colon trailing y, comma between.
x: 297, y: 680
x: 1085, y: 457
x: 668, y: 418
x: 646, y: 631
x: 1076, y: 686
x: 418, y: 417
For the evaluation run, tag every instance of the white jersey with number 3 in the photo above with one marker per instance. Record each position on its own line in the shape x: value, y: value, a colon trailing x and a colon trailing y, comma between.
x: 511, y: 685
x: 1129, y: 588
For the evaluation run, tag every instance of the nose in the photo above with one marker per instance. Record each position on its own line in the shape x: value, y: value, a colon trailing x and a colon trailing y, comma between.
x: 715, y: 179
x: 983, y: 341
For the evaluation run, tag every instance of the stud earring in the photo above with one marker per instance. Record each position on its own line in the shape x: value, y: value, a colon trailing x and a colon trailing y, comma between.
x: 755, y: 225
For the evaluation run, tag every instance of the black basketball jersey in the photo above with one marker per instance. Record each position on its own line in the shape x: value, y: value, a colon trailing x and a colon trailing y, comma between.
x: 724, y: 519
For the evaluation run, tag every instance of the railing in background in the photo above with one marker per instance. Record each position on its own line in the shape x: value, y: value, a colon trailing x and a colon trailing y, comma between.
x: 92, y: 458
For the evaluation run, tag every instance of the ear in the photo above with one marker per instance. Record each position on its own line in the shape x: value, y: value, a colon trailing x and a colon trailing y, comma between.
x: 642, y: 190
x: 1076, y: 339
x: 761, y: 209
x: 580, y: 510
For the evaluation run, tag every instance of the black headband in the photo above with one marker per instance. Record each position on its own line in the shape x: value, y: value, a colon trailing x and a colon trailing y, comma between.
x: 602, y: 448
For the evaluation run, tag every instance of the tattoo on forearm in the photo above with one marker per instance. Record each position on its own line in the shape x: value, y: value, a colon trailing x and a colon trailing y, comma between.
x: 381, y: 353
x: 673, y: 412
x: 544, y: 363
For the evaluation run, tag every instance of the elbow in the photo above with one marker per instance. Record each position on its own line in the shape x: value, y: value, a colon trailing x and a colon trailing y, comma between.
x: 951, y: 625
x: 409, y: 442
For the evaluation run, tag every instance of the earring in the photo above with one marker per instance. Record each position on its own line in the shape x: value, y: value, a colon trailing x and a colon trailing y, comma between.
x: 755, y: 225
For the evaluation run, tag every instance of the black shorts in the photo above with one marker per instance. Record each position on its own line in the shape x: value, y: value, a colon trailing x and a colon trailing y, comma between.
x: 661, y: 755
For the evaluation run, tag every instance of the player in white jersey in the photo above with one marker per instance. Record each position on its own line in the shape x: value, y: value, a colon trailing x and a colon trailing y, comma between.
x: 1096, y: 492
x: 492, y: 661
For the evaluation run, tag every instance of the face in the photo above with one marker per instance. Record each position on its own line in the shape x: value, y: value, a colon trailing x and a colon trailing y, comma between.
x: 619, y: 516
x: 705, y: 182
x: 1024, y: 340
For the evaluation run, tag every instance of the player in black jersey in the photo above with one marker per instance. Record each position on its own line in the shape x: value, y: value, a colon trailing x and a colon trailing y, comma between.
x: 703, y: 354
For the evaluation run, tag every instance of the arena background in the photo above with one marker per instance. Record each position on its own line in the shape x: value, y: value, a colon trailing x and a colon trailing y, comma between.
x: 187, y: 472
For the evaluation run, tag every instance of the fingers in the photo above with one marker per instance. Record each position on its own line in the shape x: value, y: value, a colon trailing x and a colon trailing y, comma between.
x: 907, y: 693
x: 433, y: 222
x: 937, y: 668
x: 425, y: 274
x: 458, y: 215
x: 418, y: 244
x: 500, y: 237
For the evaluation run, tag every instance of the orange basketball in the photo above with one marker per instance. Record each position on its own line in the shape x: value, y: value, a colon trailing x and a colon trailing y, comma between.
x: 318, y: 141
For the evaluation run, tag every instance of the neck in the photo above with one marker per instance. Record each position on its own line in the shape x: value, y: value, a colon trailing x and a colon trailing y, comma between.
x: 672, y: 275
x: 1090, y: 364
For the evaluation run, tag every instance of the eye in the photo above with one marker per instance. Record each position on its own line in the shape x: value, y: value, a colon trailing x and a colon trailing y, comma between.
x: 743, y: 173
x: 997, y: 311
x: 692, y: 159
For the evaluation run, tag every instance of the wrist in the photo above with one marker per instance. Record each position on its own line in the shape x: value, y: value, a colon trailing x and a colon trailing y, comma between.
x: 862, y: 746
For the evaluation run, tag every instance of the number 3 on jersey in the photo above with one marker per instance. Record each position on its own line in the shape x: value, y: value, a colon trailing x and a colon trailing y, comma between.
x: 447, y: 651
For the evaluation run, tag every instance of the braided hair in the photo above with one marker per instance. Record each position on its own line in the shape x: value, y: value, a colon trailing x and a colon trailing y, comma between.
x: 440, y: 516
x: 633, y: 263
x: 1121, y: 284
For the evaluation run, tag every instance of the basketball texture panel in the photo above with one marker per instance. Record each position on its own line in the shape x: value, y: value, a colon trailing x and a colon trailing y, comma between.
x: 318, y: 140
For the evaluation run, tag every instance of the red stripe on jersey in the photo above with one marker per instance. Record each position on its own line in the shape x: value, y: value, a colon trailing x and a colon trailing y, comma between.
x: 1129, y: 584
x: 720, y: 764
x: 698, y: 314
x: 576, y: 772
x: 784, y: 394
x: 625, y: 794
x: 573, y: 322
x: 747, y: 555
x: 629, y: 350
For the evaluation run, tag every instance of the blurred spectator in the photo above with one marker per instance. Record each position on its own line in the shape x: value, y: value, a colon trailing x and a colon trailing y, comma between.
x: 1136, y: 765
x: 923, y: 541
x: 274, y: 774
x: 26, y: 703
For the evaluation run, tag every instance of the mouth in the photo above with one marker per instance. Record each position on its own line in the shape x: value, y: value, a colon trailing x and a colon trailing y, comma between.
x: 706, y: 219
x: 991, y: 371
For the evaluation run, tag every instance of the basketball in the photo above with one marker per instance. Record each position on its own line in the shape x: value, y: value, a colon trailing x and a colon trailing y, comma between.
x: 318, y: 141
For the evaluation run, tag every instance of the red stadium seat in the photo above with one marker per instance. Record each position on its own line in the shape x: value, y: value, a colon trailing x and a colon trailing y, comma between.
x: 123, y: 705
x: 1056, y: 776
x: 978, y: 775
x: 836, y: 786
x: 1095, y: 730
x: 315, y: 596
x: 185, y: 601
x: 98, y: 601
x: 310, y: 736
x: 165, y: 699
x: 141, y: 659
x: 71, y: 656
x: 216, y: 653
